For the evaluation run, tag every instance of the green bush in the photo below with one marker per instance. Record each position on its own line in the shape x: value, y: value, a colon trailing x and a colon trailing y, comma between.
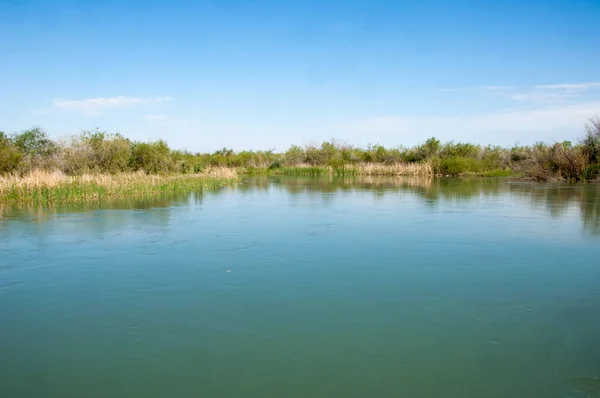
x: 294, y: 155
x: 591, y: 142
x: 275, y: 165
x: 591, y: 172
x: 151, y: 157
x: 98, y: 151
x: 35, y: 147
x: 10, y: 157
x: 456, y: 165
x: 111, y: 152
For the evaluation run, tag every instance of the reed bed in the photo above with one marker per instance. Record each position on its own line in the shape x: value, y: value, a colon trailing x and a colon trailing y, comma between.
x: 228, y: 173
x: 397, y: 169
x: 366, y: 169
x: 44, y: 187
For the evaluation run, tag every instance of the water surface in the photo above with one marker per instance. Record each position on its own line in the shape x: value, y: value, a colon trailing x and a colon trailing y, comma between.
x: 300, y: 287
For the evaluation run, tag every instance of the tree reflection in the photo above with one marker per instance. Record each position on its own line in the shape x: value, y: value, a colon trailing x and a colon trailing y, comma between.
x: 556, y: 199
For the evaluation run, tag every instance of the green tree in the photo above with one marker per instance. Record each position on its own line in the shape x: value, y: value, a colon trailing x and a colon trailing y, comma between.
x: 111, y: 152
x: 36, y: 147
x: 152, y: 157
x: 591, y: 141
x: 9, y: 154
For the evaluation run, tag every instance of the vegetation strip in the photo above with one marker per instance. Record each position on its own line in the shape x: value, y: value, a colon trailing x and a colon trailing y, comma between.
x: 40, y: 187
x: 97, y: 152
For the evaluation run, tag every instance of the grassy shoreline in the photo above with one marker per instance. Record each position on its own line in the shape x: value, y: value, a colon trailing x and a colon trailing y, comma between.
x: 370, y: 169
x: 42, y: 187
x: 47, y: 188
x: 99, y: 152
x: 374, y: 169
x: 53, y: 187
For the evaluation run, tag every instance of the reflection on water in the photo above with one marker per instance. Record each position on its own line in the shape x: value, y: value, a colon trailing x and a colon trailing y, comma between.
x: 555, y: 198
x: 306, y: 287
x: 20, y: 211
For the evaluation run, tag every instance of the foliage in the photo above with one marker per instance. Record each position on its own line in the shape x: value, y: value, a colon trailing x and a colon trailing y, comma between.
x: 35, y: 147
x: 100, y: 152
x: 151, y: 157
x: 111, y: 152
x: 10, y: 156
x: 591, y: 141
x: 44, y: 188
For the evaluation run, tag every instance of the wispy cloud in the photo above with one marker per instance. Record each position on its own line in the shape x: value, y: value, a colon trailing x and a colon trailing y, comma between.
x: 546, y: 112
x: 543, y: 97
x: 562, y: 93
x: 570, y: 87
x: 94, y: 106
x: 547, y: 123
x: 557, y: 93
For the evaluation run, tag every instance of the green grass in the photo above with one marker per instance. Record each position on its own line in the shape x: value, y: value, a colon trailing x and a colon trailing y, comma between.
x: 508, y: 173
x: 344, y: 170
x: 48, y: 188
x: 500, y: 173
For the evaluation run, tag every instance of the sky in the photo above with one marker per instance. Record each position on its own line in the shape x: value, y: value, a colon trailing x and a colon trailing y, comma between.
x: 204, y: 75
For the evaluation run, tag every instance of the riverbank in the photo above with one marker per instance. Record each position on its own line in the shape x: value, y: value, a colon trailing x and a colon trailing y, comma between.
x: 48, y: 187
x: 367, y: 169
x: 100, y: 152
x: 43, y: 187
x: 370, y: 169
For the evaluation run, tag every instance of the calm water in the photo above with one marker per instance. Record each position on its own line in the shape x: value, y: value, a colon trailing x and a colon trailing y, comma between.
x: 307, y: 288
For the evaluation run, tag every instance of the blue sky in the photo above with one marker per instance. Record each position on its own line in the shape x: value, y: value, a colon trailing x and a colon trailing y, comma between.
x: 267, y: 74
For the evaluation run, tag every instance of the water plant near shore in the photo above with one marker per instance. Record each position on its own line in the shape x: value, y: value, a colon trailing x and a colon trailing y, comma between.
x: 42, y: 187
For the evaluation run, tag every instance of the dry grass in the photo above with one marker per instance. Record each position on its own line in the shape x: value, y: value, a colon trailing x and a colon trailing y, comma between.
x: 366, y: 169
x: 378, y: 181
x: 398, y: 169
x: 55, y: 186
x: 220, y: 172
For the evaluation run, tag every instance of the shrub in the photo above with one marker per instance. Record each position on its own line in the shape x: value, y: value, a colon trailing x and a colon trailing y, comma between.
x: 98, y: 151
x: 112, y: 152
x: 275, y: 165
x: 456, y: 165
x: 152, y: 157
x: 10, y: 157
x: 36, y: 148
x: 591, y: 141
x: 76, y: 156
x: 591, y: 172
x: 295, y: 155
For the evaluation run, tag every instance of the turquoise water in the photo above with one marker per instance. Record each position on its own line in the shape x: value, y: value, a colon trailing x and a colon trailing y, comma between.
x: 299, y: 287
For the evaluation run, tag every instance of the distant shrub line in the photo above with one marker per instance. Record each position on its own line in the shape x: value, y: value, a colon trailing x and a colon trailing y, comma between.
x: 100, y: 152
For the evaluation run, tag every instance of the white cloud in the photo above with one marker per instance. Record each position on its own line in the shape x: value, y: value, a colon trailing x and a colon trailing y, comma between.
x: 543, y: 97
x: 543, y: 94
x: 557, y: 93
x: 548, y: 124
x: 571, y: 87
x: 97, y: 105
x: 552, y: 112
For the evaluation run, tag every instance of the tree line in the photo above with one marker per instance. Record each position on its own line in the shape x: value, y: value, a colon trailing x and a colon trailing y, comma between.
x: 101, y: 152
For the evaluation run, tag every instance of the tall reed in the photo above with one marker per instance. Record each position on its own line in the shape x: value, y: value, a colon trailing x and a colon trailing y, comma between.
x: 54, y: 186
x: 368, y: 169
